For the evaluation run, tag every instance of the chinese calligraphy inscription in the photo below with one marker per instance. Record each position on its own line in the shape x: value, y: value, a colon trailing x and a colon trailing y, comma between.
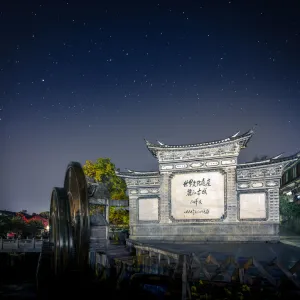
x: 198, y: 195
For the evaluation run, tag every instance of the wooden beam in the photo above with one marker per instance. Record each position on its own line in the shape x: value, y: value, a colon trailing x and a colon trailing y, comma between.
x: 262, y: 270
x: 295, y: 267
x: 287, y: 273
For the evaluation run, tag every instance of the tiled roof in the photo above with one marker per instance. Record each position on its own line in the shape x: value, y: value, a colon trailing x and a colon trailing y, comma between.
x: 276, y: 159
x: 131, y: 173
x: 242, y: 139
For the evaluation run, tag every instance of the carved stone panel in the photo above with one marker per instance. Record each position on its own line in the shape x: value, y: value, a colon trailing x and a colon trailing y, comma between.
x: 148, y: 209
x: 252, y: 205
x: 198, y: 196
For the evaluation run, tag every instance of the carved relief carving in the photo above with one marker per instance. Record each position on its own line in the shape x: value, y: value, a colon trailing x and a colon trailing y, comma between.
x: 142, y: 181
x: 225, y: 150
x: 145, y: 191
x: 259, y: 173
x: 212, y: 163
x: 167, y: 167
x: 228, y: 162
x: 196, y: 165
x: 181, y: 166
x: 257, y: 184
x: 244, y: 185
x: 133, y: 192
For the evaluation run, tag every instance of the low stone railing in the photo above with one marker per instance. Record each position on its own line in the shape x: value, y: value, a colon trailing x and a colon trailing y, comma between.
x: 20, y: 245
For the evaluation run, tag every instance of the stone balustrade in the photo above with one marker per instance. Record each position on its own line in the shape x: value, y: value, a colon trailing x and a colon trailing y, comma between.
x: 20, y: 245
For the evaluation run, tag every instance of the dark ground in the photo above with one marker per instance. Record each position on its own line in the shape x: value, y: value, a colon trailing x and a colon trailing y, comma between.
x: 17, y: 275
x: 18, y: 271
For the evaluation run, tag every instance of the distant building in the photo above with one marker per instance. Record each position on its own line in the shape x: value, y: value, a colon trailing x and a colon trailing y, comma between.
x: 290, y: 182
x: 7, y: 213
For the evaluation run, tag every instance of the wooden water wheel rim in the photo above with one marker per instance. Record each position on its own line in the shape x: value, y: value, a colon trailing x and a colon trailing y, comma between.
x: 61, y: 236
x: 76, y: 188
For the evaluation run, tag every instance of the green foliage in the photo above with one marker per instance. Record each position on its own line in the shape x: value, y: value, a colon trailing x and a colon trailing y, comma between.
x: 16, y: 224
x: 45, y: 214
x: 118, y: 217
x: 4, y: 225
x: 96, y: 209
x: 103, y: 170
x: 288, y: 209
x: 32, y: 227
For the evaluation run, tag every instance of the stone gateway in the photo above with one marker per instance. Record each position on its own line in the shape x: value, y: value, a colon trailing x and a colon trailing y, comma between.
x: 201, y: 193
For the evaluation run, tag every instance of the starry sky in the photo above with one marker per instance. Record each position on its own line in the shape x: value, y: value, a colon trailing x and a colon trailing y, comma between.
x: 86, y: 79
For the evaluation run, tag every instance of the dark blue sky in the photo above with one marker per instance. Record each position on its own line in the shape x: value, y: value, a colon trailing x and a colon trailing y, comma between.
x: 86, y: 79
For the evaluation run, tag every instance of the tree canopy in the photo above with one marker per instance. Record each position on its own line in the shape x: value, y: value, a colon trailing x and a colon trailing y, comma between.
x: 103, y: 170
x: 19, y: 224
x: 45, y: 214
x: 118, y: 217
x: 287, y: 208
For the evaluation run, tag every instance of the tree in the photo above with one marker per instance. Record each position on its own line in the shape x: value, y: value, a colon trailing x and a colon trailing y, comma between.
x: 45, y: 214
x: 16, y: 224
x: 118, y: 217
x: 32, y: 227
x: 4, y: 225
x: 288, y: 209
x: 103, y: 170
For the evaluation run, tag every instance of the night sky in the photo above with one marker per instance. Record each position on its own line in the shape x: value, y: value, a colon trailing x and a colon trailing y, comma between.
x: 81, y: 80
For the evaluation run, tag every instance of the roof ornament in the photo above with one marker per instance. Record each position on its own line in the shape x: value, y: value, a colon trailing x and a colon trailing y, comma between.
x: 277, y: 156
x: 147, y: 142
x: 235, y: 135
x: 253, y: 128
x: 161, y: 143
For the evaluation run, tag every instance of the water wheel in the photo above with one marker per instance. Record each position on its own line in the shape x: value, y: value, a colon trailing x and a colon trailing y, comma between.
x: 61, y: 233
x: 66, y: 254
x: 75, y: 186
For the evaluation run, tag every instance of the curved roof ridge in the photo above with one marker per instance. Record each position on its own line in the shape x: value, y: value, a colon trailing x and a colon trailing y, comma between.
x: 273, y: 160
x: 131, y: 173
x: 243, y: 138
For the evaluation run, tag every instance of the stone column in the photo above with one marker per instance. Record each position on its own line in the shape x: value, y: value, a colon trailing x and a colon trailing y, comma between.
x: 164, y: 197
x: 132, y: 211
x: 107, y: 210
x: 231, y: 195
x: 273, y: 204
